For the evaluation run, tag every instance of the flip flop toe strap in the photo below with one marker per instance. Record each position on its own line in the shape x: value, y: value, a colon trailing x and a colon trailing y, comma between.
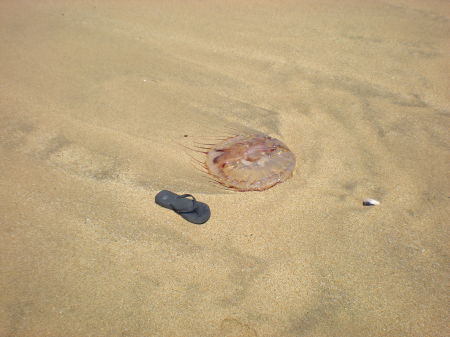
x: 194, y: 204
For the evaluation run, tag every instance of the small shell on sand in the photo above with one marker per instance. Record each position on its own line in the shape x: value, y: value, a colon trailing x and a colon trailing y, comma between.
x: 250, y: 162
x: 370, y: 202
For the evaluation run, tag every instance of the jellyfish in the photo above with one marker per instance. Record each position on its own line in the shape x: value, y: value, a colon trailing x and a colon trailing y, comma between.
x: 254, y: 162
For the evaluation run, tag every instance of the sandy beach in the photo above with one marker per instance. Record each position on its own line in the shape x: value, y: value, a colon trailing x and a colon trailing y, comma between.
x: 98, y: 100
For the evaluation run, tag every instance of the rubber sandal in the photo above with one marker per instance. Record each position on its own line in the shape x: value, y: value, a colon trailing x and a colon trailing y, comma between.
x: 190, y: 209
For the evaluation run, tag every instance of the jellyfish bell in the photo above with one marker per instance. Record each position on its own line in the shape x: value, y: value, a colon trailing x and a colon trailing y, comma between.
x: 254, y: 162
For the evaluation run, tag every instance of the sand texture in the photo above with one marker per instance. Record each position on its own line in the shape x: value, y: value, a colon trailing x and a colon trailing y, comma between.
x: 97, y: 101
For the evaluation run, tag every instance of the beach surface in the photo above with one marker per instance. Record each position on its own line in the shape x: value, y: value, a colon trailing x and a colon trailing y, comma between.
x: 98, y: 102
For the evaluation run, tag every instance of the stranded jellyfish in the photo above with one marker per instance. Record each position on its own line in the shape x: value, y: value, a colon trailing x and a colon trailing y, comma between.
x: 249, y: 162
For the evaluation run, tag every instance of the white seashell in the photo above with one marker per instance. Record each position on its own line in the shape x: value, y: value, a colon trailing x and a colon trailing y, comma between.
x: 370, y: 202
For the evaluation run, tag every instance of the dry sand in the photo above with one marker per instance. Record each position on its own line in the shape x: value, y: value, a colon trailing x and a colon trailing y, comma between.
x: 95, y: 100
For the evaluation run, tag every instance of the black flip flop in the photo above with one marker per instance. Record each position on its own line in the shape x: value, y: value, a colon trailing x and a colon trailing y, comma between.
x: 190, y: 209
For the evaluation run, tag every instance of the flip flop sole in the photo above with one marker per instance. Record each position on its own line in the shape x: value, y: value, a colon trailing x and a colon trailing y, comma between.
x: 190, y: 209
